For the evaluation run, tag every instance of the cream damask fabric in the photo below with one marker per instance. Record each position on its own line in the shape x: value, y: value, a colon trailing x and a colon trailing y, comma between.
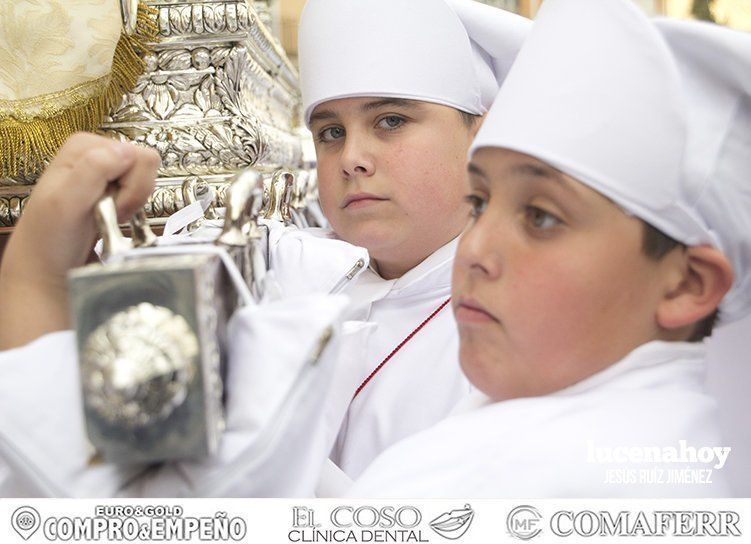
x: 64, y: 64
x: 47, y: 46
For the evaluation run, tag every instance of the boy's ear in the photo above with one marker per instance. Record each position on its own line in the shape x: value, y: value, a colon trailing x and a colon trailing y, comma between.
x: 705, y: 278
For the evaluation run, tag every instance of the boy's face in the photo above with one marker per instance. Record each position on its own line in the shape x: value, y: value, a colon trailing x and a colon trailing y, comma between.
x: 392, y: 176
x: 550, y: 282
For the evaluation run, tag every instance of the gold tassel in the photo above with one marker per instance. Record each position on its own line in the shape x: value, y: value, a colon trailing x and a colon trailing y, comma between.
x: 28, y: 142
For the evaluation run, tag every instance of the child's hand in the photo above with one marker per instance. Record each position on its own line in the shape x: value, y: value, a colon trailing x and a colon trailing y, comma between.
x: 57, y: 231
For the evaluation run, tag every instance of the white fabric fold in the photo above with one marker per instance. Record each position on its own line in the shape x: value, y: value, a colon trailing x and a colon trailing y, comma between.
x: 422, y: 382
x: 314, y: 261
x: 496, y: 37
x: 611, y: 115
x: 715, y: 67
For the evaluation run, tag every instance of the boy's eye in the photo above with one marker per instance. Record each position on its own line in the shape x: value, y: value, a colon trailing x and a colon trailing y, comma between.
x: 390, y: 122
x: 477, y: 203
x: 330, y: 134
x: 540, y: 219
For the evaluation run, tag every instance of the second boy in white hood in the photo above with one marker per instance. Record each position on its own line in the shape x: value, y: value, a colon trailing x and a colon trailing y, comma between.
x: 393, y: 92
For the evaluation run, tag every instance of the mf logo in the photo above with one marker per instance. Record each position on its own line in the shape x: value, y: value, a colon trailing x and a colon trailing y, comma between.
x: 524, y: 522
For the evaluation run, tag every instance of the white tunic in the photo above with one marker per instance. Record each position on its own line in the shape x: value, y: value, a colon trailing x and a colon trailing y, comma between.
x: 554, y: 446
x: 422, y: 382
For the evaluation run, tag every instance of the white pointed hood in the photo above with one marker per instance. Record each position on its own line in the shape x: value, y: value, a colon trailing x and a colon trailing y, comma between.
x: 452, y: 52
x: 715, y: 67
x: 644, y: 114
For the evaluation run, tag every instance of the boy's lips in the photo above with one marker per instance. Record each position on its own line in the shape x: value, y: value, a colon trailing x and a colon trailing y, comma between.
x: 360, y: 199
x: 468, y: 310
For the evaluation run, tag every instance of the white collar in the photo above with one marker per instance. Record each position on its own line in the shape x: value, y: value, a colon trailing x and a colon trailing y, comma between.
x: 650, y: 364
x: 653, y: 364
x: 433, y: 273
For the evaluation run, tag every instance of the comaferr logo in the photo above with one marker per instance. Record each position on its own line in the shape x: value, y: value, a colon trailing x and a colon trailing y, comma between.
x: 659, y: 523
x: 525, y: 523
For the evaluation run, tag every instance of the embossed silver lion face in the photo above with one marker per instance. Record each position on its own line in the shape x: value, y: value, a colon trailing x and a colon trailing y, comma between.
x: 137, y: 365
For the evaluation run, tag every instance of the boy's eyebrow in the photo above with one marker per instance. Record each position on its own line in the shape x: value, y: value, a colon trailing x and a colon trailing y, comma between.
x: 321, y: 115
x: 472, y: 168
x: 399, y: 102
x: 533, y: 170
x: 324, y: 115
x: 529, y: 170
x: 543, y: 172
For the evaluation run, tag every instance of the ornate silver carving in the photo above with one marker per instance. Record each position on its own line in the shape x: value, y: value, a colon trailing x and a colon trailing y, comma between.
x: 212, y: 331
x: 136, y: 367
x: 277, y: 194
x: 263, y: 9
x: 218, y: 95
x: 129, y: 12
x: 241, y: 236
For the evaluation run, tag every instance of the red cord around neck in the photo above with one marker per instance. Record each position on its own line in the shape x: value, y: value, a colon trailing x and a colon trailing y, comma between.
x: 400, y: 346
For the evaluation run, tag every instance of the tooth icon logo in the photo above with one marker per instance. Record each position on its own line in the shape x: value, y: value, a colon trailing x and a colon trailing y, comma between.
x: 452, y: 525
x: 25, y: 520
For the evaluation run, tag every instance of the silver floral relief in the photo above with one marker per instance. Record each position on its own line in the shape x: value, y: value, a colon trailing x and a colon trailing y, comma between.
x: 218, y: 95
x: 136, y: 367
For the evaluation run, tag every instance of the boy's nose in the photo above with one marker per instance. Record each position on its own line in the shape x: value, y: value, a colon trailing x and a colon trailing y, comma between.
x: 478, y: 252
x: 356, y: 159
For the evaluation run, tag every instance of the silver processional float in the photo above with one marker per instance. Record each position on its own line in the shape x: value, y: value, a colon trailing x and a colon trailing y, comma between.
x: 217, y: 97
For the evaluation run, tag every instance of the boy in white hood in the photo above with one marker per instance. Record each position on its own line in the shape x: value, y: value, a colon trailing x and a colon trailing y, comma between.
x: 393, y: 105
x: 392, y: 92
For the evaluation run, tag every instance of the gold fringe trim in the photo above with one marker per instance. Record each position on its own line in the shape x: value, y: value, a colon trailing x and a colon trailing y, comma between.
x: 28, y: 143
x: 48, y: 105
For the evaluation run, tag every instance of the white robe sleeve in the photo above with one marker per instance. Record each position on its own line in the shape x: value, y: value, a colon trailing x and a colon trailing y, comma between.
x: 310, y: 261
x: 42, y: 435
x: 281, y: 422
